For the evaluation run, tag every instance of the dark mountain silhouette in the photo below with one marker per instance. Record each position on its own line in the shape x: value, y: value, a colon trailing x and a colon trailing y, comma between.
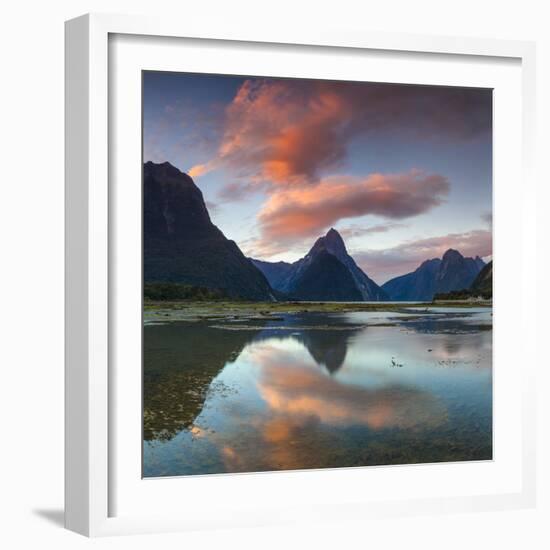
x: 483, y: 283
x: 275, y: 272
x: 333, y: 243
x: 305, y: 277
x: 182, y: 245
x: 456, y: 271
x: 482, y: 287
x: 418, y: 285
x: 452, y: 272
x: 479, y: 262
x: 325, y: 278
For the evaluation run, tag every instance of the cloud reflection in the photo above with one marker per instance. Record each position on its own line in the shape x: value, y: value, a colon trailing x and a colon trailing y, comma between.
x: 304, y: 392
x: 306, y: 414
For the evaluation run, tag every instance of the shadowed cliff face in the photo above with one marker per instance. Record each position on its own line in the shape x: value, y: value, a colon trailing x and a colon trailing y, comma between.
x: 173, y: 206
x: 484, y: 280
x: 456, y: 271
x: 182, y: 245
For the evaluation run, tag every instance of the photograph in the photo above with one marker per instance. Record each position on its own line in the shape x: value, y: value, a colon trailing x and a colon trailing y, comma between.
x: 317, y: 274
x: 266, y: 237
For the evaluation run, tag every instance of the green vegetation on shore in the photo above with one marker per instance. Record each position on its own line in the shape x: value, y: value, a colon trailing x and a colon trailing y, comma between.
x: 462, y: 295
x: 227, y: 309
x: 161, y: 292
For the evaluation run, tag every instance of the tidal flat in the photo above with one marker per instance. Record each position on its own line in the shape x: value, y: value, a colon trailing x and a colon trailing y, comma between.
x: 250, y: 387
x: 196, y: 311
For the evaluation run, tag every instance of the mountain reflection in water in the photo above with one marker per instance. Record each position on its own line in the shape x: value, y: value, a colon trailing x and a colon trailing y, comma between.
x: 317, y: 391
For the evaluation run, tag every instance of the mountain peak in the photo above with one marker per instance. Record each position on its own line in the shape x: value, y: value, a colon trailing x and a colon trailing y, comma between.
x: 332, y: 242
x: 452, y: 272
x: 168, y: 173
x: 334, y: 239
x: 166, y: 165
x: 452, y: 254
x: 327, y: 256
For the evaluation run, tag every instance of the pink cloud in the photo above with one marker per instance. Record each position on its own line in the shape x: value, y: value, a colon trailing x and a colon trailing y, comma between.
x: 303, y: 393
x: 383, y: 265
x: 198, y: 170
x: 292, y: 131
x: 292, y: 213
x: 269, y: 127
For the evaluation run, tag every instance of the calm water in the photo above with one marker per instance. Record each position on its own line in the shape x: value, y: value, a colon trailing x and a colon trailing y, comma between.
x: 318, y: 391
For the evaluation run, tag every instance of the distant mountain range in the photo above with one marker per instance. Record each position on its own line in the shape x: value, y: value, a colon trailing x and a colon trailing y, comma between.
x: 452, y: 272
x: 326, y: 272
x: 182, y: 245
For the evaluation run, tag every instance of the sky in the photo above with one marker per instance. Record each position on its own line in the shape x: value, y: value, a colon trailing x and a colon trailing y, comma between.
x: 403, y: 172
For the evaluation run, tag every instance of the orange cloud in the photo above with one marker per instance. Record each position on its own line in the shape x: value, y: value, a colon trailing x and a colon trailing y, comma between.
x: 284, y: 132
x: 292, y: 213
x: 288, y: 131
x: 199, y: 170
x: 277, y: 430
x: 305, y: 411
x: 284, y: 136
x: 308, y: 394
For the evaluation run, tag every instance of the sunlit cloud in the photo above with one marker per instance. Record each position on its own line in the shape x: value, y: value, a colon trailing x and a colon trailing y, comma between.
x: 199, y: 170
x: 290, y: 214
x: 293, y: 131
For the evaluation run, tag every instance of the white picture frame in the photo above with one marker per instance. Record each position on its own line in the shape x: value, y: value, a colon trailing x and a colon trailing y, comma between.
x: 90, y: 219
